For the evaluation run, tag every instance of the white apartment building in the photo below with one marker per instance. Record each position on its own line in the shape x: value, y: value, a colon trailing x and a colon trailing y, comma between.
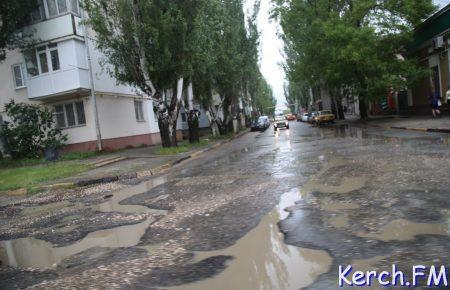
x: 57, y: 74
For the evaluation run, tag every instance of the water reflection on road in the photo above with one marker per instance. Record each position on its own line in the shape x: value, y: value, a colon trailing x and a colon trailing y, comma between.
x: 263, y: 261
x: 31, y: 252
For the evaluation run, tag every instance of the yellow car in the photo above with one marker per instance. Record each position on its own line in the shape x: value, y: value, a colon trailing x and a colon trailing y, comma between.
x: 324, y: 117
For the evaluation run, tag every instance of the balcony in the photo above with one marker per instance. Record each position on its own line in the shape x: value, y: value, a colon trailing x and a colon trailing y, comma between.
x: 58, y: 83
x: 55, y: 28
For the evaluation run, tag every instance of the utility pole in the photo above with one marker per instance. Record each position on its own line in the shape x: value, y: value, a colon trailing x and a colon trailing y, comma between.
x: 91, y: 78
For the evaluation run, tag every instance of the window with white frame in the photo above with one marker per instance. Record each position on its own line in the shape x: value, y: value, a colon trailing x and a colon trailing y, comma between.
x: 19, y: 77
x: 70, y: 115
x: 42, y: 60
x: 51, y: 8
x: 139, y: 110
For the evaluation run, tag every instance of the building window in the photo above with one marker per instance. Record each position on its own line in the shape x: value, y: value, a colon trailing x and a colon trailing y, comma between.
x: 19, y: 80
x: 70, y: 115
x: 183, y: 117
x: 50, y: 8
x: 43, y: 61
x: 37, y: 61
x: 139, y: 111
x: 39, y: 13
x: 54, y: 57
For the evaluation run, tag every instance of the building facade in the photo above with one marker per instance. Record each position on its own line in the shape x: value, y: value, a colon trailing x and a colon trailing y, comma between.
x: 431, y: 48
x: 62, y: 71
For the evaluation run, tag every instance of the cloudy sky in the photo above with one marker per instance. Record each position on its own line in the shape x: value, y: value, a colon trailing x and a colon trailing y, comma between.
x: 271, y: 46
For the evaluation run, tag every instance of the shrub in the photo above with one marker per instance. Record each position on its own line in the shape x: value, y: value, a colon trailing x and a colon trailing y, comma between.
x: 30, y: 131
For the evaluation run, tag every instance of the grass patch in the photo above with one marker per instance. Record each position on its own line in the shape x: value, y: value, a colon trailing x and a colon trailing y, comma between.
x: 79, y: 155
x: 32, y: 175
x: 183, y: 147
x: 13, y: 163
x: 171, y: 150
x: 28, y: 173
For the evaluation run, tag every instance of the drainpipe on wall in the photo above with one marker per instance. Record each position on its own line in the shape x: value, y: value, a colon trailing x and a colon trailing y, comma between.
x: 91, y: 79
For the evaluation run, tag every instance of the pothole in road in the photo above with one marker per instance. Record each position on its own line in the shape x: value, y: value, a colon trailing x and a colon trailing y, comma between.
x: 403, y: 230
x: 36, y: 253
x: 349, y: 184
x: 271, y: 264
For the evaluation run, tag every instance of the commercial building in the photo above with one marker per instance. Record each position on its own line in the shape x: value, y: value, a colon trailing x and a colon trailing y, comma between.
x: 431, y: 48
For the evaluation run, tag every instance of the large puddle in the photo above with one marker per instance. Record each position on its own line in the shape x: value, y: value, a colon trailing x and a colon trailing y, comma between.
x: 263, y: 261
x: 31, y: 252
x: 404, y: 230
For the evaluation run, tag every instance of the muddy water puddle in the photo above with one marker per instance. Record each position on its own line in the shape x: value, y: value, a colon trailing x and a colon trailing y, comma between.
x: 35, y: 253
x: 403, y: 230
x: 263, y: 261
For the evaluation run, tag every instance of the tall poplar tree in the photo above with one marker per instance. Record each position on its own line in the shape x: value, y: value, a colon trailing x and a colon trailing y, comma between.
x: 352, y: 45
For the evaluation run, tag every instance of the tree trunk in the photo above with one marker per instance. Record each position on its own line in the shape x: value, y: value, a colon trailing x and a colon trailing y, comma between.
x: 333, y: 107
x: 213, y: 124
x: 362, y: 108
x: 192, y: 118
x: 167, y: 117
x: 340, y: 109
x: 164, y: 125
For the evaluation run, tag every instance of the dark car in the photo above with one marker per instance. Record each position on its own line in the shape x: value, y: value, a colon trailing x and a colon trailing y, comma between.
x: 261, y: 124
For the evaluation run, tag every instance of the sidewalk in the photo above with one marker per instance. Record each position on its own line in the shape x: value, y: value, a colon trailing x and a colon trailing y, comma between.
x: 133, y: 163
x: 416, y: 123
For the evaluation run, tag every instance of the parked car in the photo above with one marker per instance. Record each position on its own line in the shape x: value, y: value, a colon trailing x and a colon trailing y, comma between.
x: 324, y: 117
x: 304, y: 117
x: 266, y: 121
x: 290, y: 117
x: 280, y: 122
x: 261, y: 124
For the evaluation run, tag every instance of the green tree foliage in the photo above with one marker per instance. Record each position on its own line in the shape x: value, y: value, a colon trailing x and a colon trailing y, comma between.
x: 14, y: 15
x: 264, y: 99
x: 152, y: 45
x: 352, y: 45
x: 32, y: 129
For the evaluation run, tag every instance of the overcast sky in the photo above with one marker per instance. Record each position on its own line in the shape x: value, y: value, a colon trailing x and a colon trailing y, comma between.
x: 270, y: 50
x: 271, y: 46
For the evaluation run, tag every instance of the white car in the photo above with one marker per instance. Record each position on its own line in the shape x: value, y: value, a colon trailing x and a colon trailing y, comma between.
x: 280, y: 122
x: 305, y: 117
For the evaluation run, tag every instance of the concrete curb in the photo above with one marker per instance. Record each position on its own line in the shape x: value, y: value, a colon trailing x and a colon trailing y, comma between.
x: 436, y: 130
x: 419, y: 129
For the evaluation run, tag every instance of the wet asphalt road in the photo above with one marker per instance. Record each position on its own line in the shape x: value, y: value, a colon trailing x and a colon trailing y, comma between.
x: 266, y: 211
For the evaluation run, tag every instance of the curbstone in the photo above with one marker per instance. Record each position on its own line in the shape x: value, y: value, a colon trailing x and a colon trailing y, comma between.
x: 87, y: 182
x: 439, y: 130
x: 180, y: 160
x: 16, y: 192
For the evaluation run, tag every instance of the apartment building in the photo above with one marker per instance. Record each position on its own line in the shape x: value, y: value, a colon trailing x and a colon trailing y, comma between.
x: 57, y: 73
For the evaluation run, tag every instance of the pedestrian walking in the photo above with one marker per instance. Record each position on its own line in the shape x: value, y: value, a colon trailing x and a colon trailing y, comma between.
x: 435, y: 102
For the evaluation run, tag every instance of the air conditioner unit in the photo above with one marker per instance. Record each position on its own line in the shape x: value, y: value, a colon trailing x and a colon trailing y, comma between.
x: 438, y: 42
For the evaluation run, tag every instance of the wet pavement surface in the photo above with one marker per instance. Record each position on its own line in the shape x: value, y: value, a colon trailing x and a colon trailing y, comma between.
x: 266, y: 211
